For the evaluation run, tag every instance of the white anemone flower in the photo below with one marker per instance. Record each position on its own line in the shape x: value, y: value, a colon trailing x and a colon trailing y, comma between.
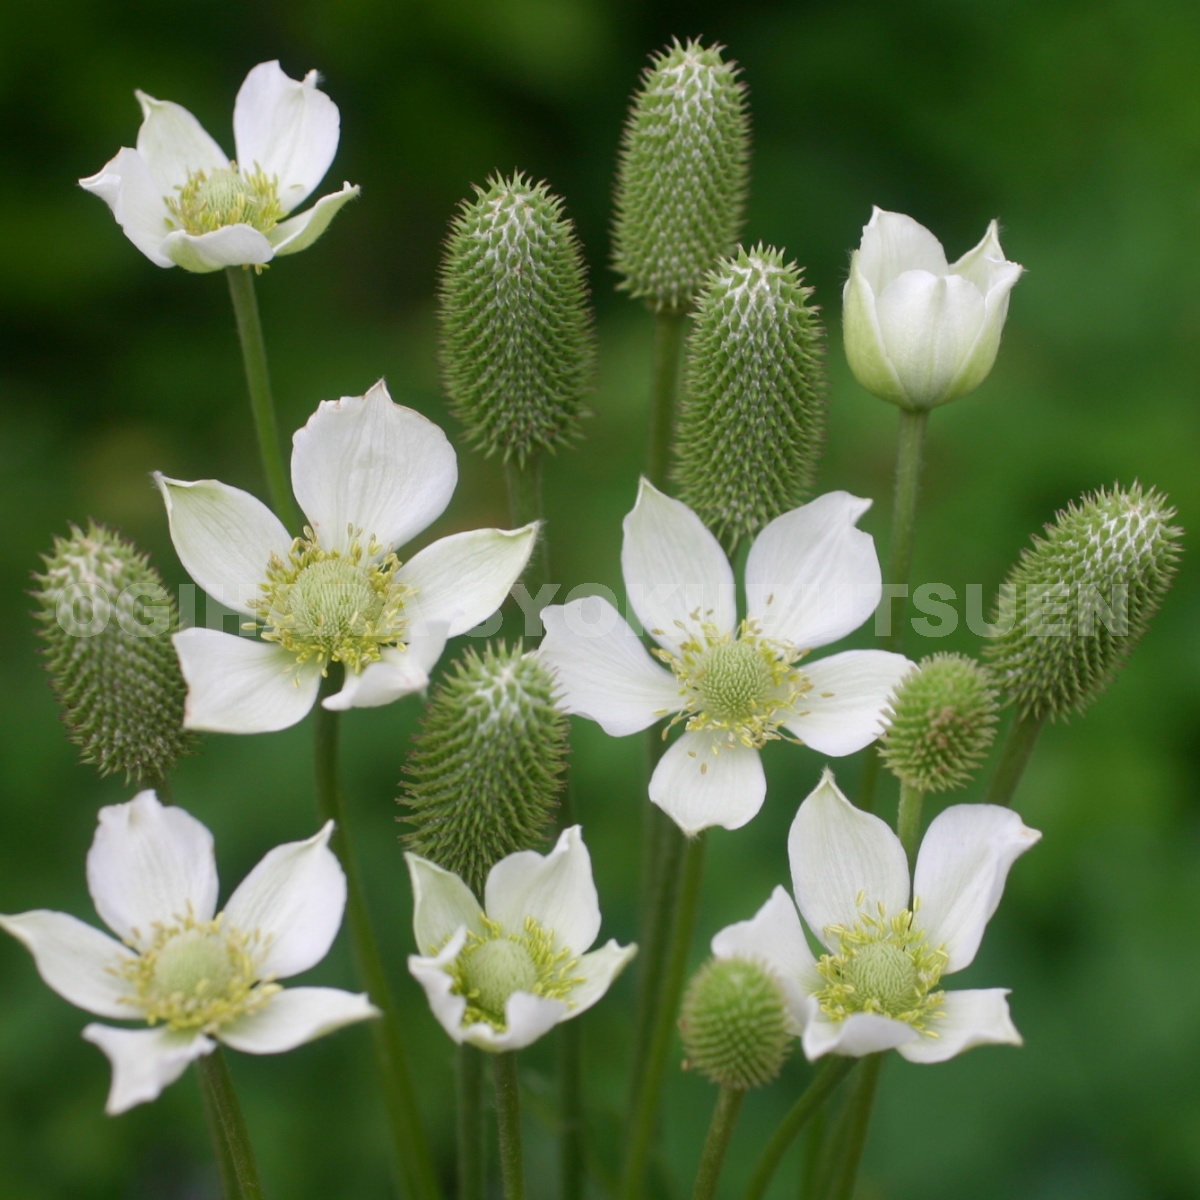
x: 811, y: 578
x: 181, y: 202
x: 876, y: 987
x: 501, y: 975
x: 369, y: 474
x: 195, y: 976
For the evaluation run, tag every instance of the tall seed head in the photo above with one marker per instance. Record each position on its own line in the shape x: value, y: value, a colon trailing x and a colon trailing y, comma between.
x: 682, y: 175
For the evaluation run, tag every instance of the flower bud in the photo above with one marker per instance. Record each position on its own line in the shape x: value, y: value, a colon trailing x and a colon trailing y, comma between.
x: 919, y: 332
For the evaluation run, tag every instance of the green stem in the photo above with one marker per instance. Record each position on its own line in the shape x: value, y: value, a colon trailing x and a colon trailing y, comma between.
x: 720, y: 1130
x: 525, y: 505
x: 414, y: 1164
x: 262, y: 404
x: 570, y: 1097
x: 669, y: 330
x: 471, y: 1175
x: 855, y: 1120
x: 908, y: 821
x: 235, y: 1157
x: 508, y: 1120
x: 1014, y: 757
x: 910, y: 452
x: 831, y: 1072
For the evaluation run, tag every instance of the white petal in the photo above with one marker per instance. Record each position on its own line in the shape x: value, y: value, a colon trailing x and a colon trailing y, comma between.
x: 127, y: 187
x: 597, y: 971
x: 365, y: 463
x: 462, y: 579
x: 1002, y: 278
x: 80, y: 963
x: 174, y: 144
x: 838, y: 852
x: 150, y: 865
x: 603, y: 671
x: 961, y: 868
x: 700, y: 782
x: 239, y: 685
x: 431, y: 972
x: 224, y: 537
x: 844, y: 710
x: 674, y: 568
x: 893, y: 243
x: 287, y: 127
x: 400, y: 671
x: 555, y: 889
x: 862, y: 339
x: 229, y: 246
x: 527, y: 1018
x: 970, y: 1018
x: 294, y: 899
x: 299, y: 232
x: 296, y: 1016
x: 811, y: 576
x: 857, y: 1035
x: 978, y: 262
x: 144, y: 1061
x: 442, y: 904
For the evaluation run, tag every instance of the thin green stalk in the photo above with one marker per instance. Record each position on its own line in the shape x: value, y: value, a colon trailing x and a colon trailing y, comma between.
x: 1014, y: 757
x: 508, y: 1120
x: 525, y: 505
x: 262, y: 404
x: 720, y: 1130
x: 414, y: 1164
x: 855, y: 1120
x: 231, y: 1142
x: 908, y: 821
x: 571, y: 1125
x: 471, y: 1174
x: 669, y: 330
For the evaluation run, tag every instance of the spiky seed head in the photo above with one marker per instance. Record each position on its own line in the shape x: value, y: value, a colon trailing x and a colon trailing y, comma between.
x: 752, y: 421
x: 734, y: 1023
x: 487, y: 766
x: 940, y: 721
x: 106, y: 620
x: 682, y: 175
x: 518, y: 351
x: 1077, y: 601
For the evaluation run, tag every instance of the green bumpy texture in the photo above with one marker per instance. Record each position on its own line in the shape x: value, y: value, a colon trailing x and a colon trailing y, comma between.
x: 682, y: 175
x: 1080, y: 598
x: 106, y: 620
x: 487, y: 766
x: 518, y: 347
x: 751, y: 424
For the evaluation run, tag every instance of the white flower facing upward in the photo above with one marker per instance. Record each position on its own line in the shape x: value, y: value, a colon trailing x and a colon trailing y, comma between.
x: 181, y: 202
x: 919, y: 331
x: 876, y: 987
x: 500, y: 976
x: 196, y: 978
x: 369, y: 474
x: 811, y: 578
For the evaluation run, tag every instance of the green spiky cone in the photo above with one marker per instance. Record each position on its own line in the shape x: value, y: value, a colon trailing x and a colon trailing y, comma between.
x: 751, y: 426
x: 1077, y: 601
x: 107, y: 620
x: 682, y: 175
x: 518, y: 349
x: 487, y: 766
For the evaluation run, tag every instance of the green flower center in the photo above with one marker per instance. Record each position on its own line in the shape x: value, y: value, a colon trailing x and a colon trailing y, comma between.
x: 211, y: 200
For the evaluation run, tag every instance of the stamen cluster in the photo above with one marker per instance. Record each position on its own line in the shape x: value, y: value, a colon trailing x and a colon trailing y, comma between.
x: 211, y: 200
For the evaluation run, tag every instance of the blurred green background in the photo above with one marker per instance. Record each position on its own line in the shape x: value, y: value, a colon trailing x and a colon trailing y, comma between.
x: 1076, y: 123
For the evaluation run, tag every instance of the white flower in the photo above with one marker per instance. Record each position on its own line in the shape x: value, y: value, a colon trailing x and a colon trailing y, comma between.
x: 196, y: 978
x: 811, y: 578
x: 181, y: 202
x: 500, y: 976
x: 369, y: 474
x: 876, y: 987
x: 919, y: 332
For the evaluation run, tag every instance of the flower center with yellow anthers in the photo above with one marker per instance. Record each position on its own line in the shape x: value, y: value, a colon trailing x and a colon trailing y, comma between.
x: 334, y: 605
x: 198, y: 975
x: 883, y: 966
x: 493, y: 965
x: 210, y: 200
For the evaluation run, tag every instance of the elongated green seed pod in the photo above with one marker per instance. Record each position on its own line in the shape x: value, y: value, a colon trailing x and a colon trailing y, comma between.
x: 682, y: 175
x: 1077, y: 601
x: 751, y: 425
x: 106, y: 620
x: 518, y: 349
x: 486, y: 769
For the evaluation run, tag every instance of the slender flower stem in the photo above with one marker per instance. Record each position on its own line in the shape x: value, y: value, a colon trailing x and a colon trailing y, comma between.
x: 720, y: 1130
x: 414, y: 1164
x: 471, y: 1175
x: 571, y: 1125
x: 525, y: 505
x: 1014, y: 757
x: 908, y: 821
x: 262, y: 404
x: 669, y: 333
x: 855, y: 1120
x: 235, y: 1156
x: 508, y: 1119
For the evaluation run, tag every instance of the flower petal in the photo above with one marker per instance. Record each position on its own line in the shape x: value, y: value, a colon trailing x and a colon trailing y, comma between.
x: 150, y: 865
x: 960, y: 873
x: 442, y: 904
x: 432, y: 973
x: 700, y: 782
x: 596, y: 971
x: 400, y: 671
x: 893, y: 243
x: 229, y: 246
x: 978, y: 262
x: 1002, y: 278
x: 289, y: 128
x: 366, y: 463
x: 144, y: 1061
x: 970, y: 1018
x: 859, y: 1034
x: 78, y: 962
x: 294, y: 899
x: 811, y: 576
x: 527, y: 1018
x: 174, y: 145
x: 555, y: 889
x: 862, y: 339
x: 239, y: 685
x: 127, y: 187
x: 296, y: 1016
x: 838, y: 852
x: 299, y: 232
x: 674, y: 568
x: 224, y: 537
x: 844, y: 710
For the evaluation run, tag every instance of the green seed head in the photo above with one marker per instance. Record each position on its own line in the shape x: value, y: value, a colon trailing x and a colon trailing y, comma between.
x: 736, y: 682
x: 495, y: 971
x: 885, y: 974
